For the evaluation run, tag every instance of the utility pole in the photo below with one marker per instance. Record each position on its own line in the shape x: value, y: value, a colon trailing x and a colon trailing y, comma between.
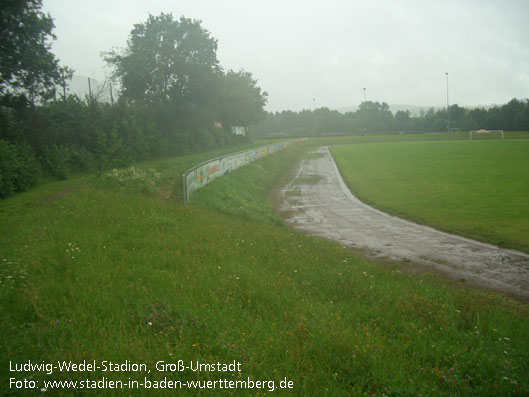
x: 89, y: 90
x: 365, y: 112
x: 63, y: 86
x: 447, y: 105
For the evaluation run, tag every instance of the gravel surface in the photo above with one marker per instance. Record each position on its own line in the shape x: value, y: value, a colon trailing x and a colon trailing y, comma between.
x: 317, y: 201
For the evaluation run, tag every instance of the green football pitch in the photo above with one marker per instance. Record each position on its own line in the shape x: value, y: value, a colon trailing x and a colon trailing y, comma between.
x: 479, y: 189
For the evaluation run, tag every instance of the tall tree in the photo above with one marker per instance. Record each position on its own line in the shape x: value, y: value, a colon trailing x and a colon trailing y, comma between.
x: 27, y: 66
x: 241, y: 101
x: 402, y: 120
x: 166, y: 60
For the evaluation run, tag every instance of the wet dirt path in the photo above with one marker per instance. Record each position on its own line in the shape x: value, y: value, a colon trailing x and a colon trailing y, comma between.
x: 317, y: 201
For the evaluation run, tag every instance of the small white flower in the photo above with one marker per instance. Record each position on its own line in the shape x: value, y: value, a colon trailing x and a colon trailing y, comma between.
x: 43, y: 390
x: 149, y: 323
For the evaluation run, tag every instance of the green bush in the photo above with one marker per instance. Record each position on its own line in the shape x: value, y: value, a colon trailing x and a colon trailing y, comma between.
x: 19, y: 169
x: 301, y: 131
x: 57, y: 160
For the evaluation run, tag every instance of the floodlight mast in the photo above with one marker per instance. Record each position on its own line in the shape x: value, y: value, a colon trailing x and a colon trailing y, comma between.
x: 447, y: 106
x: 365, y: 112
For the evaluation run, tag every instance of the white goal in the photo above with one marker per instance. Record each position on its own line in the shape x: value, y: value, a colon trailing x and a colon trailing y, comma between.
x: 480, y: 132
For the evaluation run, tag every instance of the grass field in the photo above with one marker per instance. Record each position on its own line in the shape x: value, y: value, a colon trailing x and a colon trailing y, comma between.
x: 118, y: 269
x: 479, y: 189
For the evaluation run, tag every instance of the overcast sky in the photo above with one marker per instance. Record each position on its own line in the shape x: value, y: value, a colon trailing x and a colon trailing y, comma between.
x: 330, y: 50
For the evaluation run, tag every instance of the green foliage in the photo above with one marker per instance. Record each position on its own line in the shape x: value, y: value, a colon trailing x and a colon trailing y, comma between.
x: 301, y: 131
x: 166, y: 60
x: 170, y: 67
x: 70, y: 136
x: 58, y: 161
x: 173, y: 89
x: 26, y: 64
x: 375, y: 117
x: 18, y: 168
x: 242, y: 101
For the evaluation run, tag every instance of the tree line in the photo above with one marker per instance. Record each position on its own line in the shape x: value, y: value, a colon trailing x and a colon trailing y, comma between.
x: 375, y: 117
x: 175, y: 97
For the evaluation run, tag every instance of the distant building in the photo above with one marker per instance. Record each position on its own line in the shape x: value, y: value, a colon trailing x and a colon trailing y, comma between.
x: 239, y: 130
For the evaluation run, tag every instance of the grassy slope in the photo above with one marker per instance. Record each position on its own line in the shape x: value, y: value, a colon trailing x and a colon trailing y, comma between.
x: 114, y: 271
x: 479, y: 189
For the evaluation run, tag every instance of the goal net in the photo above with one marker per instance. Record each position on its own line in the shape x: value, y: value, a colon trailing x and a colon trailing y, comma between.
x: 486, y: 134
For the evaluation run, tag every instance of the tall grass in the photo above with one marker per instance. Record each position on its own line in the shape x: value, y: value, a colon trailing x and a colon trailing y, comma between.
x: 116, y: 269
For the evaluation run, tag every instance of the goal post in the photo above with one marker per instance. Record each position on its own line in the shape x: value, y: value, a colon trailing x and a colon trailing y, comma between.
x: 484, y: 132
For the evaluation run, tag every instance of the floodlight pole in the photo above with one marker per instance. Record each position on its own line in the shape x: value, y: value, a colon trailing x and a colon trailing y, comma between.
x: 313, y: 104
x: 447, y: 106
x: 365, y: 111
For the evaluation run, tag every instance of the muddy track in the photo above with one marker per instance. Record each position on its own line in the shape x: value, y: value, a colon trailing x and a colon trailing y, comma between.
x: 317, y: 201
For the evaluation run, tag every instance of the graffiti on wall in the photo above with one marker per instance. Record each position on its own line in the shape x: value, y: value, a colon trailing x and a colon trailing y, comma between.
x: 204, y: 173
